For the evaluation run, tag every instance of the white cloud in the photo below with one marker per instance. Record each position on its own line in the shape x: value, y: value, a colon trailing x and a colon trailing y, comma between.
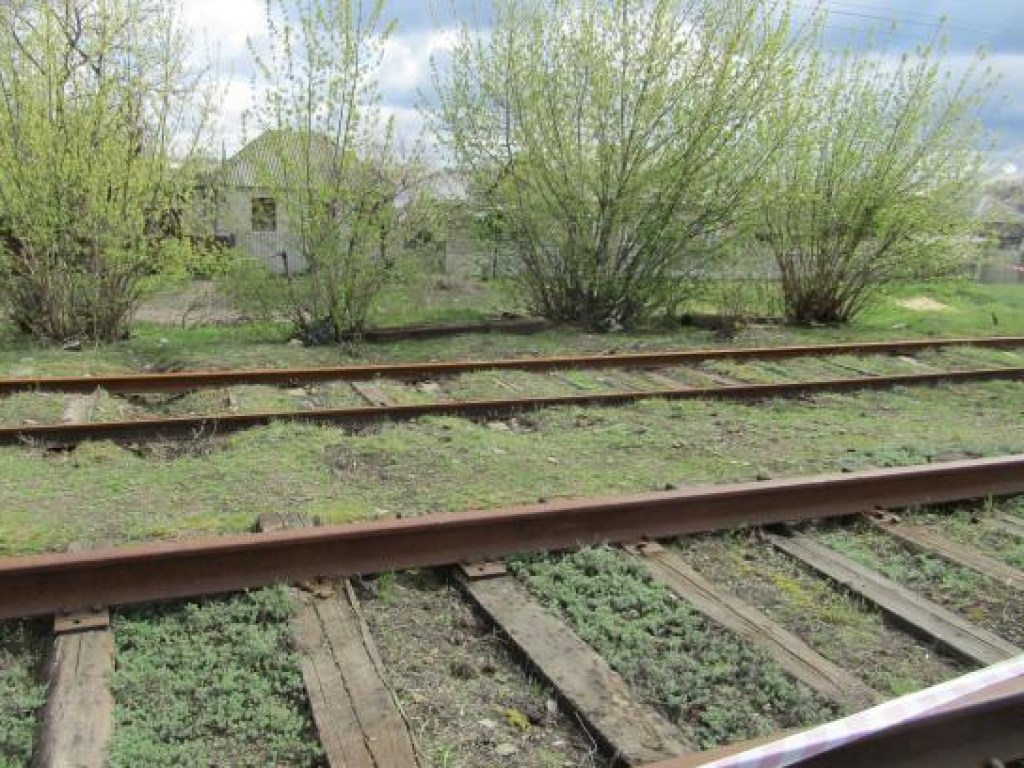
x: 405, y: 65
x: 225, y: 23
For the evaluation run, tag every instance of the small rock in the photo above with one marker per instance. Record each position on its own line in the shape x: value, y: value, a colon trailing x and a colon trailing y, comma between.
x: 429, y: 387
x: 506, y: 749
x: 295, y: 343
x: 498, y: 426
x: 488, y: 724
x: 73, y: 346
x: 552, y: 460
x: 297, y: 392
x: 551, y: 706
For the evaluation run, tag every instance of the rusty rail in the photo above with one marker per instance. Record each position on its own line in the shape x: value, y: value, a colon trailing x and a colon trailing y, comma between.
x: 197, y: 426
x: 190, y: 380
x: 47, y: 584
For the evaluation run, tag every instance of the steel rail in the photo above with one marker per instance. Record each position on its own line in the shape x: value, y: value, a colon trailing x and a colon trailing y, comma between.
x: 54, y: 583
x: 189, y: 380
x: 63, y: 435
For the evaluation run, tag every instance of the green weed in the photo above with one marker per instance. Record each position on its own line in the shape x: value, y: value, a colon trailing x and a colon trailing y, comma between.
x: 212, y: 683
x: 22, y: 693
x: 715, y: 687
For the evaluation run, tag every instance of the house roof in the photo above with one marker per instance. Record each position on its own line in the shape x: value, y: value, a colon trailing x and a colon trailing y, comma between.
x: 992, y: 210
x: 262, y: 160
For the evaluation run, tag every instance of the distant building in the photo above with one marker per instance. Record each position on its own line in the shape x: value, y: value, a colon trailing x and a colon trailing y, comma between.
x: 1000, y: 220
x: 242, y: 212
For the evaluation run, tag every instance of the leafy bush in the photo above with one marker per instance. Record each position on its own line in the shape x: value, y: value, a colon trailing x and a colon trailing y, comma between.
x: 600, y: 141
x: 94, y: 94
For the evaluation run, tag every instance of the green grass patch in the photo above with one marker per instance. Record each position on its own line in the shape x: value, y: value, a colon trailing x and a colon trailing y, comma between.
x: 713, y: 686
x: 221, y: 484
x: 161, y: 347
x: 214, y: 683
x: 22, y: 692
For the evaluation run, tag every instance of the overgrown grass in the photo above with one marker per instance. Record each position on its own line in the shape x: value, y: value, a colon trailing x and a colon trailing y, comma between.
x: 264, y: 345
x: 450, y: 464
x: 214, y: 683
x: 716, y: 688
x: 22, y: 692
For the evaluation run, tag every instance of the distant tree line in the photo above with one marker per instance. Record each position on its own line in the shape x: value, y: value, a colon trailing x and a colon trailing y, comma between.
x: 620, y: 151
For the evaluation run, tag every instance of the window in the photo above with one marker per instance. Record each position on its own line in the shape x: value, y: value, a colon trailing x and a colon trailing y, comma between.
x: 264, y: 214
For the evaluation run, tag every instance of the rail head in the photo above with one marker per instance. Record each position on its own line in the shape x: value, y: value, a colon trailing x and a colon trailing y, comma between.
x: 56, y: 583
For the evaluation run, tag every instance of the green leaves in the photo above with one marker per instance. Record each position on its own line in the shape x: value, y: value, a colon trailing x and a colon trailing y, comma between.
x: 712, y: 684
x: 874, y: 180
x: 95, y: 97
x: 607, y: 137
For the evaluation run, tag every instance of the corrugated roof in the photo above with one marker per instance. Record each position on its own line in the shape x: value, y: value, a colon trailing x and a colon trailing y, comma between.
x: 263, y: 160
x: 994, y: 211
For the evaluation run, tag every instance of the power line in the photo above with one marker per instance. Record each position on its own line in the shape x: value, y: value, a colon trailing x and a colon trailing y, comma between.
x: 899, y: 17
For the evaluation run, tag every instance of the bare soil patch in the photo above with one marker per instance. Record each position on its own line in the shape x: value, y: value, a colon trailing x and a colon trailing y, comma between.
x: 469, y: 703
x: 924, y: 304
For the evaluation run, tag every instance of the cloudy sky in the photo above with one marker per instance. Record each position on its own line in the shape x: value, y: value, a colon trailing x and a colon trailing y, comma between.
x: 997, y: 25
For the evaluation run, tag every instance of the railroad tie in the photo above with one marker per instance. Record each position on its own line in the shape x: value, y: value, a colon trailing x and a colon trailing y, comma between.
x: 78, y: 718
x: 1009, y: 524
x: 789, y: 651
x: 357, y: 716
x: 635, y: 732
x: 960, y: 637
x: 924, y: 538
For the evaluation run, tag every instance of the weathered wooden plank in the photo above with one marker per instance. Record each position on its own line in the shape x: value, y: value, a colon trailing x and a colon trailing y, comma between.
x: 598, y: 694
x: 357, y: 716
x: 957, y: 635
x: 358, y: 720
x: 789, y: 651
x: 78, y: 719
x: 664, y: 380
x: 961, y: 554
x: 372, y: 393
x: 79, y: 408
x: 1010, y: 524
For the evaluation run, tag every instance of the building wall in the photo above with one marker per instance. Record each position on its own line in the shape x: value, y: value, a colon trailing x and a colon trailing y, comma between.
x: 234, y: 218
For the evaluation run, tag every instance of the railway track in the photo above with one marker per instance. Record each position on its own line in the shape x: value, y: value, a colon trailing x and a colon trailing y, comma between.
x: 354, y: 702
x: 350, y: 682
x: 476, y: 389
x: 184, y: 381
